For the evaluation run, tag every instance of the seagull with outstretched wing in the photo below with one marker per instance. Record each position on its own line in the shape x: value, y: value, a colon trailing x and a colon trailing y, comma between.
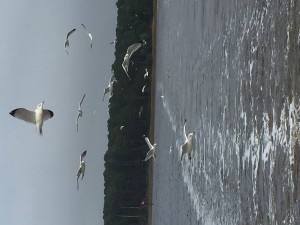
x: 186, y: 147
x: 81, y: 169
x: 79, y: 111
x: 37, y: 117
x: 130, y: 50
x: 109, y: 88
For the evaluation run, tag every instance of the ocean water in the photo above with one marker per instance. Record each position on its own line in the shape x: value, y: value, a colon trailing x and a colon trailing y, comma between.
x: 231, y: 68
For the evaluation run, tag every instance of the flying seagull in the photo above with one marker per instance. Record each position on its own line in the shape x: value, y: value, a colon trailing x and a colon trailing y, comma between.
x: 130, y: 50
x: 143, y: 89
x: 187, y: 147
x: 121, y: 127
x: 146, y: 74
x: 152, y: 149
x: 90, y: 35
x: 79, y: 111
x: 37, y: 117
x: 109, y: 88
x: 67, y: 40
x: 113, y: 42
x: 81, y: 169
x: 140, y: 112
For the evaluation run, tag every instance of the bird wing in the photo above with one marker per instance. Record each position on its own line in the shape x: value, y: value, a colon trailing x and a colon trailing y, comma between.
x: 82, y: 99
x: 83, y: 154
x: 132, y: 48
x: 184, y: 131
x: 47, y: 114
x: 70, y: 32
x: 77, y: 120
x: 124, y: 67
x: 149, y: 154
x: 83, y: 26
x: 106, y: 90
x: 148, y: 143
x: 24, y: 114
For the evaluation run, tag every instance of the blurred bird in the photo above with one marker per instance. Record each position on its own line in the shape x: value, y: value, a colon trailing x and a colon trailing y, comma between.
x: 79, y: 111
x: 81, y: 169
x: 187, y: 147
x: 130, y: 50
x: 152, y: 149
x: 67, y: 40
x: 109, y: 88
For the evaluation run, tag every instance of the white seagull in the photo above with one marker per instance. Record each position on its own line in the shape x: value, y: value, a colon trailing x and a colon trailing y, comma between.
x: 67, y: 40
x: 109, y: 88
x: 81, y: 169
x: 187, y: 147
x: 121, y: 127
x: 146, y: 74
x: 140, y: 112
x: 79, y: 111
x: 90, y: 35
x: 37, y: 117
x: 143, y: 89
x: 151, y: 152
x: 130, y: 50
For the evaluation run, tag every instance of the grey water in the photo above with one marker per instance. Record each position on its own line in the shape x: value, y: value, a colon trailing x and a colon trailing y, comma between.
x: 232, y: 69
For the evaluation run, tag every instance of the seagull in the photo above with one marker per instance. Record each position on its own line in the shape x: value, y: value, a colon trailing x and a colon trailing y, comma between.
x: 79, y: 111
x: 109, y: 88
x: 113, y: 42
x: 67, y: 40
x: 143, y: 89
x: 90, y: 35
x: 186, y: 148
x: 146, y: 74
x: 130, y: 50
x: 81, y: 169
x: 151, y: 152
x: 140, y: 112
x: 37, y: 117
x: 121, y: 127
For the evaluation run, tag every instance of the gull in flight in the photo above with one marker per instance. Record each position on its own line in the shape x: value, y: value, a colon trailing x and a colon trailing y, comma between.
x: 67, y: 40
x: 130, y: 50
x: 152, y: 149
x: 37, y: 117
x: 113, y: 42
x: 140, y: 112
x: 90, y: 35
x: 79, y: 111
x: 109, y: 88
x: 143, y: 89
x: 121, y: 127
x: 187, y: 147
x: 81, y: 169
x: 146, y: 74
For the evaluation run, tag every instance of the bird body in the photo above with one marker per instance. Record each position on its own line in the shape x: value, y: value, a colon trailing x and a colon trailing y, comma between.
x: 187, y: 146
x: 146, y: 74
x: 37, y: 117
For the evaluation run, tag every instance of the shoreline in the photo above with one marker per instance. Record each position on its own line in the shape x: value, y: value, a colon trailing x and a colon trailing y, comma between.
x: 152, y: 117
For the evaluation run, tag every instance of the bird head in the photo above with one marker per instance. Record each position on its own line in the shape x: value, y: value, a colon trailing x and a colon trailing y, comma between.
x: 191, y: 135
x: 40, y: 105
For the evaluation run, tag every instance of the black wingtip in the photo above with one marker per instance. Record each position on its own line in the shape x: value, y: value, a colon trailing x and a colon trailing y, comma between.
x: 13, y: 112
x: 51, y: 113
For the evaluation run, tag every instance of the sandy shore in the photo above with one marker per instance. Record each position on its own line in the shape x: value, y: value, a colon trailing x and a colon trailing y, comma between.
x: 152, y: 119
